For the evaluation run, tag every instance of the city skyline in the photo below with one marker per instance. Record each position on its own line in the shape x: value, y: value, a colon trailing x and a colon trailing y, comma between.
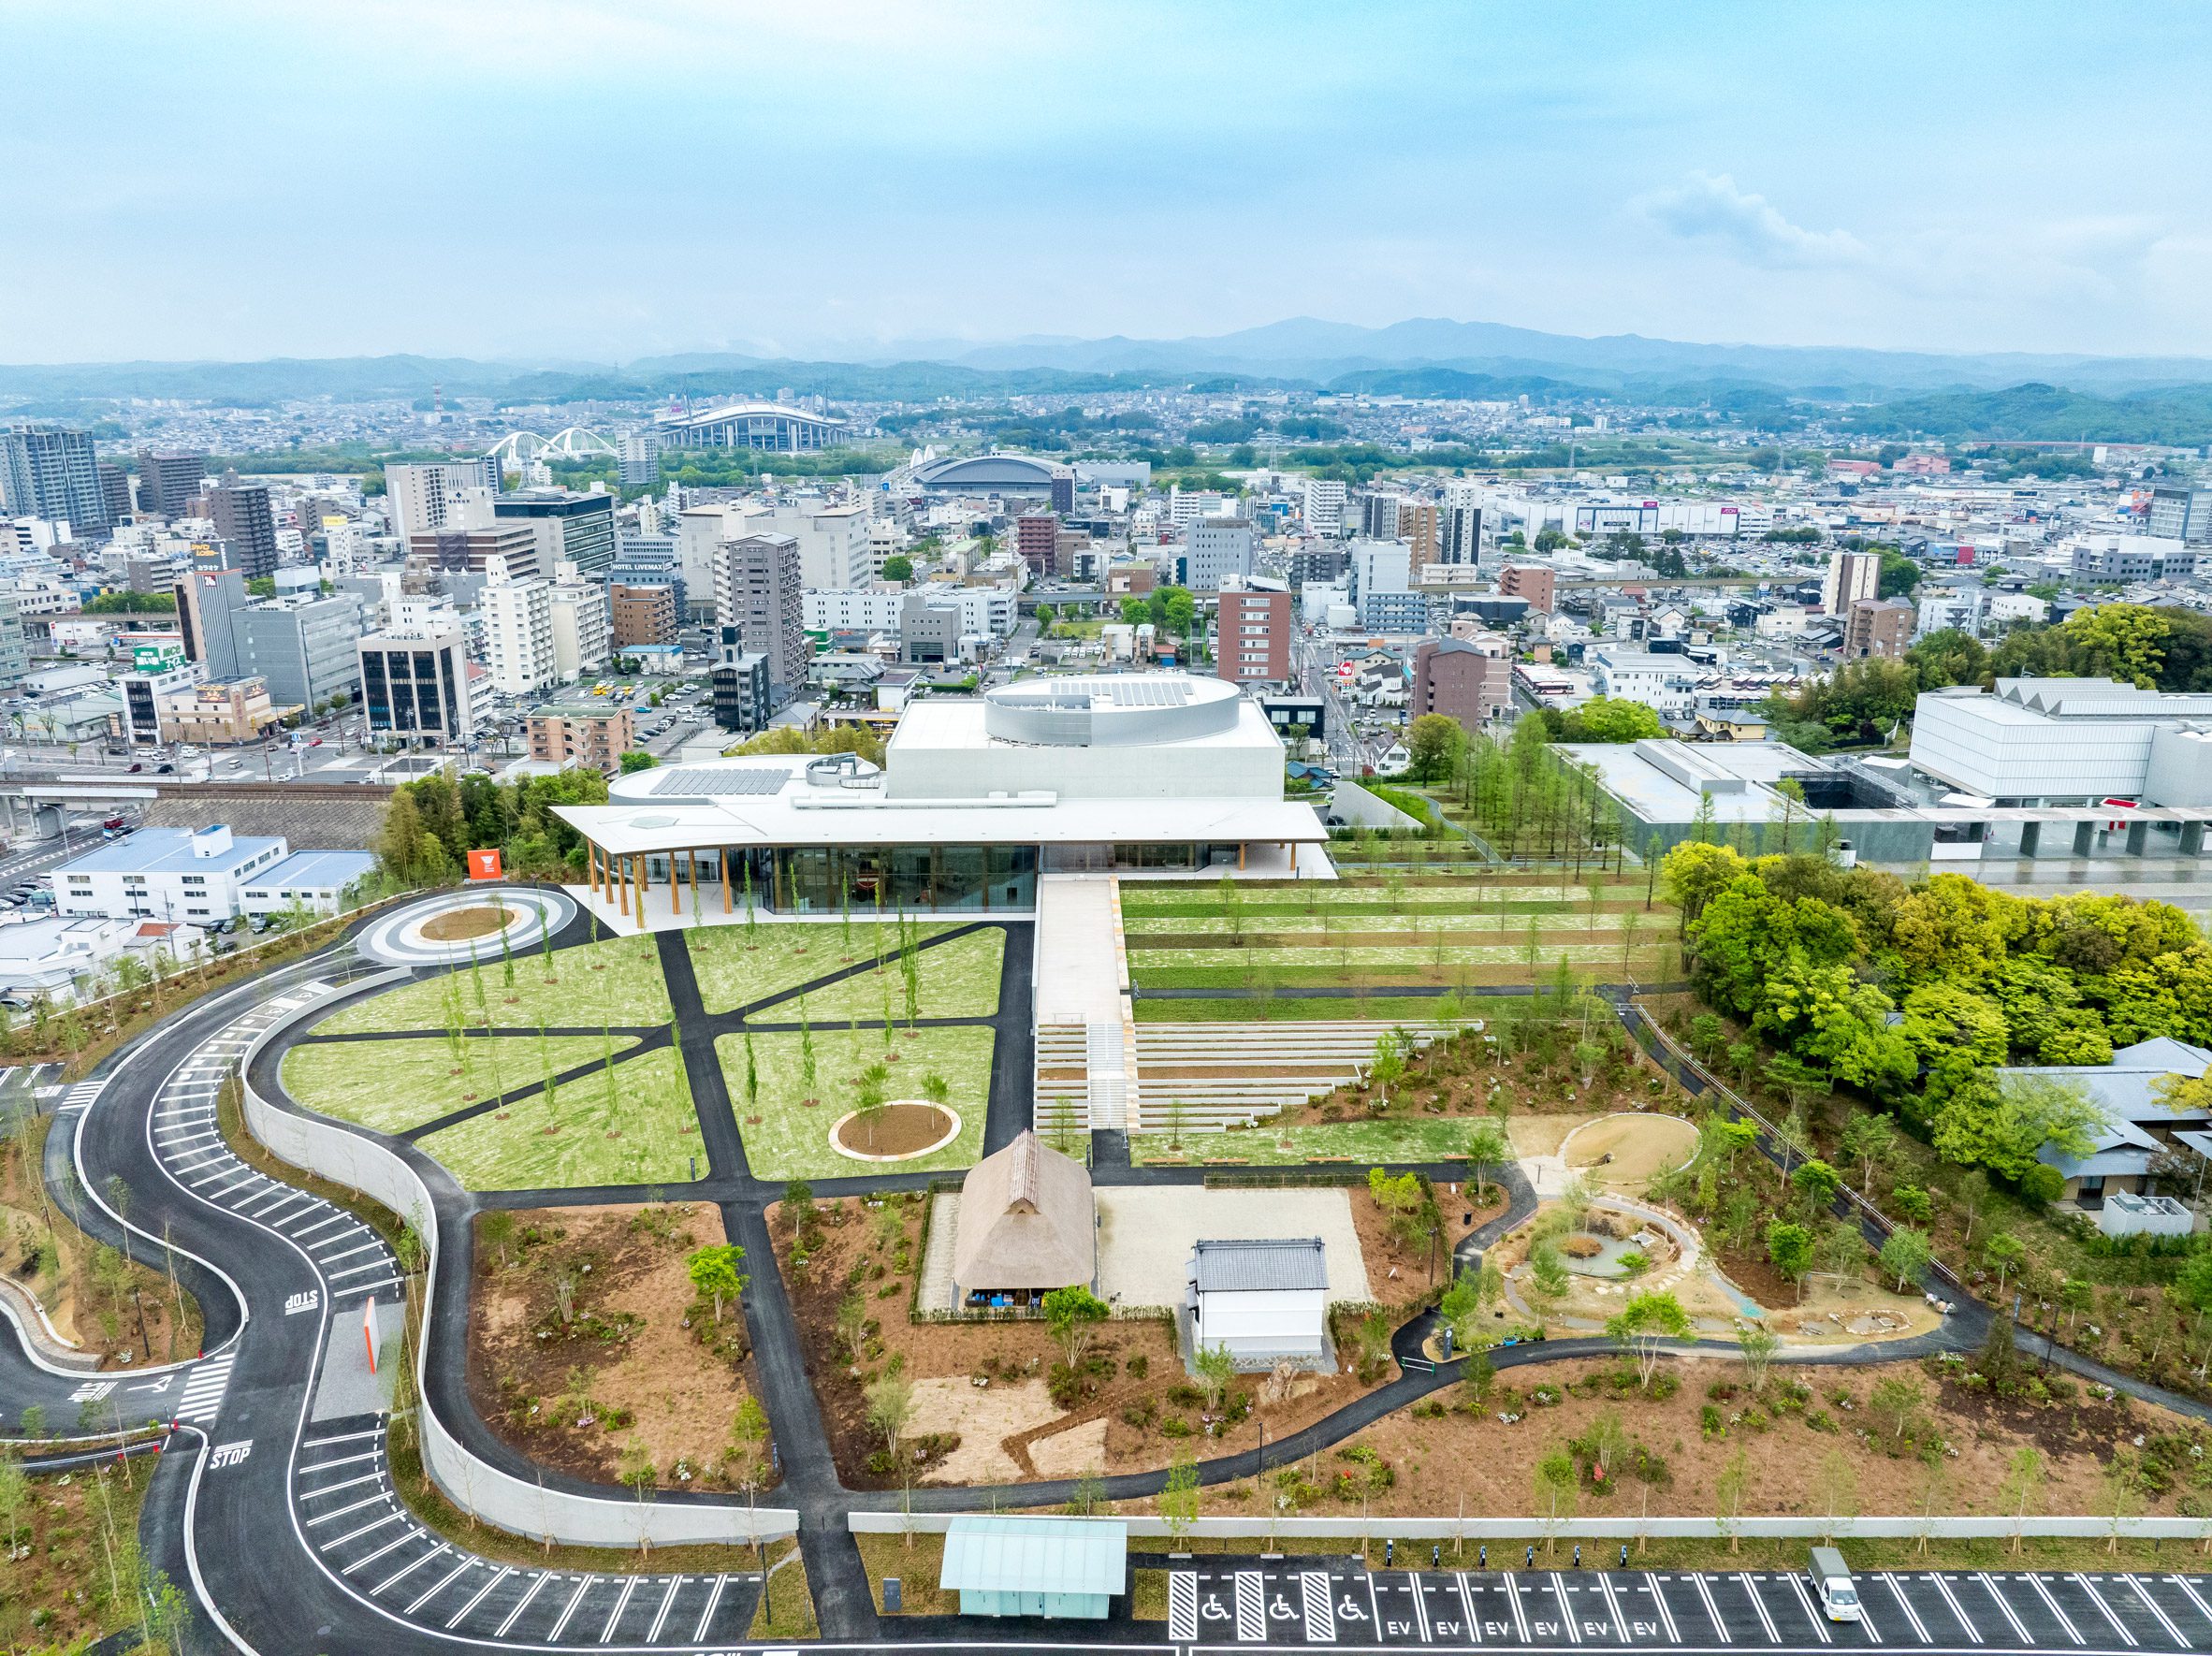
x: 605, y: 184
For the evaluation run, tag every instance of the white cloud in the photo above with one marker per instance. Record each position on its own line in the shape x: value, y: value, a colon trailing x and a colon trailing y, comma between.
x: 1709, y: 206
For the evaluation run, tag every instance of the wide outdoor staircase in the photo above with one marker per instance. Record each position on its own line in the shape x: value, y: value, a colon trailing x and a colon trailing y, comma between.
x: 1083, y: 1083
x: 1202, y: 1078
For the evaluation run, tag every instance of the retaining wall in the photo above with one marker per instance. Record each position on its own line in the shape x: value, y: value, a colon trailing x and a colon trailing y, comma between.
x: 1349, y: 1526
x: 470, y: 1483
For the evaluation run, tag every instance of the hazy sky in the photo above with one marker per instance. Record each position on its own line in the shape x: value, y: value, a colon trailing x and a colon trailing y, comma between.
x: 233, y: 180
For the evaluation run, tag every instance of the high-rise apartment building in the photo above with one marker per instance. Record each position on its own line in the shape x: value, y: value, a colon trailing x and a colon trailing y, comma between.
x: 518, y: 636
x: 1851, y: 576
x: 428, y: 495
x: 1253, y: 627
x: 2180, y: 514
x: 302, y: 645
x: 115, y: 491
x: 1037, y: 542
x: 1323, y: 508
x: 242, y: 517
x: 51, y: 472
x: 1878, y: 627
x: 15, y: 655
x: 1459, y: 525
x: 639, y: 454
x: 757, y: 590
x: 583, y: 631
x: 170, y: 479
x: 1221, y: 552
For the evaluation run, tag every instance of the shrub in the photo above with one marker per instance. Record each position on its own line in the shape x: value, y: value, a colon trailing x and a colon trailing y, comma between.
x: 1174, y: 1426
x: 1711, y: 1423
x: 1137, y: 1366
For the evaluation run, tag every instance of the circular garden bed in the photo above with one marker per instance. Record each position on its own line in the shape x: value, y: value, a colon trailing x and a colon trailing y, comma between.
x: 897, y: 1131
x: 458, y: 926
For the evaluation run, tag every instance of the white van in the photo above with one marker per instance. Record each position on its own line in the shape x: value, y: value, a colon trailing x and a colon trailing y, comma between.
x: 1832, y: 1585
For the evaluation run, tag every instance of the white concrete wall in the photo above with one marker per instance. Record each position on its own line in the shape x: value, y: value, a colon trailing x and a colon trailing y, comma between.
x: 471, y: 1484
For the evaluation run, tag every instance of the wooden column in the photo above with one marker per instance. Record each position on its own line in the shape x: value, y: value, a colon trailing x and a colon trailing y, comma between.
x: 692, y: 862
x: 619, y: 877
x: 1294, y: 856
x: 726, y: 879
x: 1240, y: 856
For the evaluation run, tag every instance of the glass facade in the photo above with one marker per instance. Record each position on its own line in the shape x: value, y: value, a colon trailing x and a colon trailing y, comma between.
x: 812, y: 879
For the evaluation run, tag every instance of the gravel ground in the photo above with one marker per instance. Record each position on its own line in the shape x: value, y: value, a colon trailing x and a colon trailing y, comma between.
x: 1146, y: 1236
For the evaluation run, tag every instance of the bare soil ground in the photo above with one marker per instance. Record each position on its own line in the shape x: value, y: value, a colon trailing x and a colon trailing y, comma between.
x: 69, y: 1526
x: 1466, y: 1454
x: 458, y: 926
x: 904, y: 1129
x: 1628, y: 1151
x: 1130, y: 1407
x: 1465, y: 1078
x: 636, y: 1367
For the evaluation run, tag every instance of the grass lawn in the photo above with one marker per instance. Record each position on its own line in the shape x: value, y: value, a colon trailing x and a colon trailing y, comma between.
x: 792, y: 1141
x: 393, y: 1085
x: 734, y: 972
x: 651, y: 1110
x: 616, y: 981
x: 959, y: 980
x: 1366, y: 1142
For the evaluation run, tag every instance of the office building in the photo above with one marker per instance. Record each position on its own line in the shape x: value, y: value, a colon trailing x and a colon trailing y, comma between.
x: 1318, y: 563
x: 426, y: 496
x: 1221, y: 552
x: 319, y: 882
x: 1666, y: 682
x: 52, y: 472
x: 644, y: 614
x: 518, y: 636
x: 415, y: 680
x: 171, y: 874
x: 1035, y: 541
x: 652, y: 560
x: 743, y: 699
x: 242, y: 517
x: 586, y: 731
x: 928, y: 631
x: 757, y: 589
x: 571, y: 528
x: 1323, y: 507
x: 1461, y: 679
x: 2123, y: 559
x: 508, y: 551
x: 1878, y: 627
x: 144, y: 690
x: 303, y: 645
x: 993, y: 611
x: 169, y: 480
x: 2180, y: 514
x: 1851, y: 576
x: 583, y: 627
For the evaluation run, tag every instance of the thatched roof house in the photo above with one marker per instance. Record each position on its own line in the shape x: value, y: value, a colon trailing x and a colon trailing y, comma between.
x: 1028, y: 1225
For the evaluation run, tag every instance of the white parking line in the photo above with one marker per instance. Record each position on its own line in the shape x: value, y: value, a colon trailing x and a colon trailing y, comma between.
x: 334, y: 1219
x: 1759, y: 1605
x: 425, y: 1596
x: 1420, y: 1611
x: 521, y: 1604
x: 2182, y: 1582
x: 2044, y: 1592
x: 409, y: 1570
x: 372, y: 1524
x: 1566, y: 1610
x: 367, y: 1477
x: 1983, y: 1577
x: 2151, y: 1605
x: 667, y: 1604
x: 1605, y: 1586
x: 1665, y: 1615
x: 498, y: 1576
x: 1466, y: 1609
x: 1944, y: 1587
x: 348, y: 1252
x: 1705, y: 1592
x: 2098, y: 1599
x: 340, y: 1512
x: 1905, y: 1605
x: 621, y: 1600
x: 363, y: 1564
x: 1805, y: 1604
x: 1513, y: 1591
x: 714, y: 1598
x: 343, y: 1437
x: 1251, y: 1606
x: 341, y: 1461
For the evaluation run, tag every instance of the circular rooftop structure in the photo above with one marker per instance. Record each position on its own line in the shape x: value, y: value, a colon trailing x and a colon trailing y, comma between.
x: 1110, y: 710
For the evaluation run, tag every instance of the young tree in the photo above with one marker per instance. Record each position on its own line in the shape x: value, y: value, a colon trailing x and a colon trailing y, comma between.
x: 714, y: 1271
x: 1816, y: 1184
x: 496, y: 1230
x: 807, y: 1064
x: 1179, y: 1498
x: 1755, y: 1344
x: 890, y: 1408
x: 1557, y: 1488
x: 852, y: 1327
x: 2023, y: 1482
x: 1643, y: 1322
x: 1868, y: 1139
x: 1389, y: 1063
x: 1073, y: 1314
x: 1835, y: 1485
x: 1896, y: 1399
x: 1486, y: 1147
x: 1905, y: 1254
x: 868, y: 1097
x: 1215, y: 1369
x: 1790, y: 1248
x: 1728, y: 1488
x: 2002, y: 1253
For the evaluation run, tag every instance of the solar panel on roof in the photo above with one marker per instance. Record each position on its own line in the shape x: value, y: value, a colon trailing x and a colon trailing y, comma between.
x: 711, y: 782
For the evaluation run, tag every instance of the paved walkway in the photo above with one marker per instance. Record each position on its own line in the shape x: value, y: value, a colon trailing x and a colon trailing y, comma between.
x: 1079, y: 971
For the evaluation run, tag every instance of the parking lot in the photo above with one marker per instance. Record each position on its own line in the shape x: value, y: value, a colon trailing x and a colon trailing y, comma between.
x: 1336, y: 1601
